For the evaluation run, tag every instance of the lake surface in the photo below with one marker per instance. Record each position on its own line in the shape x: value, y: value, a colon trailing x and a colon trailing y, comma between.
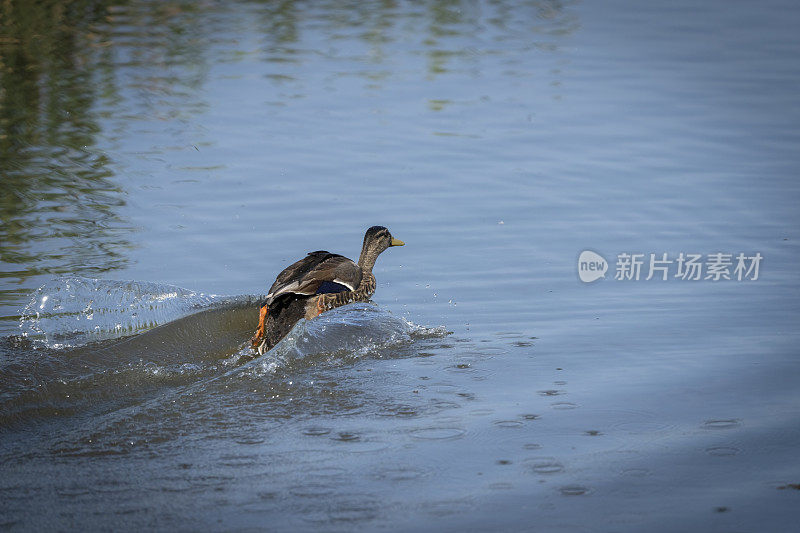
x: 162, y: 162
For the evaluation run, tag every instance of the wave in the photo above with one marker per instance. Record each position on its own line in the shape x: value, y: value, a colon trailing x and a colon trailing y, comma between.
x: 346, y: 333
x: 97, y: 346
x: 72, y: 311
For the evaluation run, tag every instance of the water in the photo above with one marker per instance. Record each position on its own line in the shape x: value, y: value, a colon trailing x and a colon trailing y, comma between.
x: 163, y: 161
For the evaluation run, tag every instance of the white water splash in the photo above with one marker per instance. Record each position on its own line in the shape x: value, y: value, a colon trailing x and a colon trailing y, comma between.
x: 349, y: 332
x: 68, y: 312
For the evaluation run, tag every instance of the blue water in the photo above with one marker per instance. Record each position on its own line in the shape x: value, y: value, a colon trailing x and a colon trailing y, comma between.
x: 162, y: 162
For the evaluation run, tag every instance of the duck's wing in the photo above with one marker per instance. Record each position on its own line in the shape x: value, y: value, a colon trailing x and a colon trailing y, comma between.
x: 317, y: 273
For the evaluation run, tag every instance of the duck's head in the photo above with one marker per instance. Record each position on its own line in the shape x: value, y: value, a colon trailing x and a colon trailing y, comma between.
x: 376, y: 240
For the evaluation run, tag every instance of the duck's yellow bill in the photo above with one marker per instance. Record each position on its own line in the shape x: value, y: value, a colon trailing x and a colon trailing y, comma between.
x: 397, y: 242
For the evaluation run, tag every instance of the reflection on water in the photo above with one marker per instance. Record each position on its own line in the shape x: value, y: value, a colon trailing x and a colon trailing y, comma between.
x: 59, y: 198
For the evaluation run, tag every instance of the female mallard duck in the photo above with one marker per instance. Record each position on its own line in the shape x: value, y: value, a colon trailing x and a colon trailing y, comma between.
x: 319, y: 282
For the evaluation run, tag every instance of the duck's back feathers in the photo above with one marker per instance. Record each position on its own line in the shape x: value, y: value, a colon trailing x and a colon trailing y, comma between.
x: 319, y: 272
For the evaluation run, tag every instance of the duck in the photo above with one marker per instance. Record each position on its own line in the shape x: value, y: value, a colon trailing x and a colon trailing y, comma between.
x: 319, y: 282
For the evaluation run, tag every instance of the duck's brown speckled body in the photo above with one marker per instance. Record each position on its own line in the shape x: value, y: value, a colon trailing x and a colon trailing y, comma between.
x: 319, y: 282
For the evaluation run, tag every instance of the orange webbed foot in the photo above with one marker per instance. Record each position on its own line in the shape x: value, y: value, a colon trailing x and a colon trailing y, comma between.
x: 262, y: 316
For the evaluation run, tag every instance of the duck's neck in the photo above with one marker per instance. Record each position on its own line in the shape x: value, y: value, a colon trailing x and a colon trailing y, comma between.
x: 367, y: 258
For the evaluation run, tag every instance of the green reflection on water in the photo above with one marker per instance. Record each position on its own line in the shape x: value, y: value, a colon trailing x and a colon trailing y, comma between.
x: 64, y: 67
x: 58, y: 200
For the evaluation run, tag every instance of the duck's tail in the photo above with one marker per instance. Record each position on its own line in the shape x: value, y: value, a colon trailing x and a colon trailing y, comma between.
x: 276, y: 319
